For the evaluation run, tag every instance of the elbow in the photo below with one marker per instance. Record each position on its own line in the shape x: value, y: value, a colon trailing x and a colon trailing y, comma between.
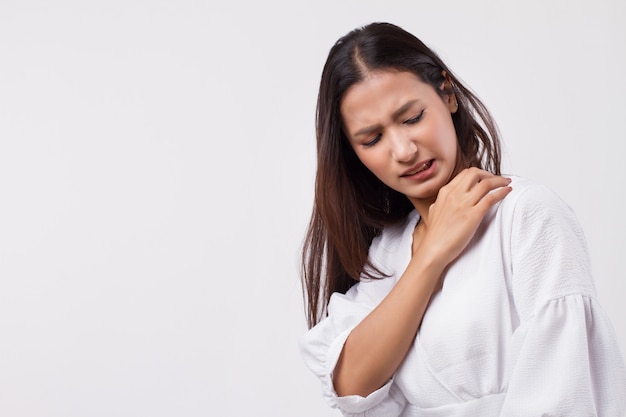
x: 346, y: 386
x: 348, y: 382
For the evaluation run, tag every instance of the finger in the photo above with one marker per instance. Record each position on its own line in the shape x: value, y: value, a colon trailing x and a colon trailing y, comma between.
x: 492, y: 198
x: 487, y: 185
x: 472, y: 176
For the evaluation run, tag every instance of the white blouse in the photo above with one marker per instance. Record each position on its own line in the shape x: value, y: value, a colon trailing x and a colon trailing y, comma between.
x: 516, y: 329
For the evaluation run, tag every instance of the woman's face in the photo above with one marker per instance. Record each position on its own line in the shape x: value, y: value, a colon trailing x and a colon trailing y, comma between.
x: 401, y: 130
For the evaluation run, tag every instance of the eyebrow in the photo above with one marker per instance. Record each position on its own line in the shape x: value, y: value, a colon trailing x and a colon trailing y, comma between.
x: 395, y: 115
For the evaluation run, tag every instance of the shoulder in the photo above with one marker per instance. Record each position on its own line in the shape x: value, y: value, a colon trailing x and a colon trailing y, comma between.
x: 388, y: 254
x: 534, y: 212
x: 530, y: 198
x: 526, y: 189
x: 393, y: 237
x: 378, y: 275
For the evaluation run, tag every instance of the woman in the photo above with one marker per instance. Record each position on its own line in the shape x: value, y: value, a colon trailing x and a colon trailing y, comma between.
x: 434, y: 285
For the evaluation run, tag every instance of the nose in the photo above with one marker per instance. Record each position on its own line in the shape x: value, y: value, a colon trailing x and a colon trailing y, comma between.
x: 403, y: 148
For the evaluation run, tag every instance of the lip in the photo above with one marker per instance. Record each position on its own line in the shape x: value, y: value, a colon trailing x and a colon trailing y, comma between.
x: 411, y: 172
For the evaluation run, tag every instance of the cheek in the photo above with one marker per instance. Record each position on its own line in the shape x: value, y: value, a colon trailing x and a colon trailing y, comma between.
x: 373, y: 161
x: 446, y: 137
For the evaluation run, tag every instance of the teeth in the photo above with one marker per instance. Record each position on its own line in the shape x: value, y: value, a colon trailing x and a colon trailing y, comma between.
x: 422, y: 168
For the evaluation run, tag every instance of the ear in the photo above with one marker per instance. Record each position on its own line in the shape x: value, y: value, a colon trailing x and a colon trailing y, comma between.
x: 448, y: 93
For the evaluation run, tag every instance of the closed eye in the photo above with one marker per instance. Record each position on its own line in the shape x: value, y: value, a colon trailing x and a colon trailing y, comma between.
x: 373, y: 141
x: 415, y: 119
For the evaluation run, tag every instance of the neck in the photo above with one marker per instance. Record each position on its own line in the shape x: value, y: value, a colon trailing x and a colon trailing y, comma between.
x: 423, y: 208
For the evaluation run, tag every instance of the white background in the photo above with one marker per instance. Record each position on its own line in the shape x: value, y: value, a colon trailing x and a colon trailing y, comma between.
x: 156, y: 175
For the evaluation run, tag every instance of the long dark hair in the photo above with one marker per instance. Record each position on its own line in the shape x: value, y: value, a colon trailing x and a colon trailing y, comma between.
x: 351, y: 205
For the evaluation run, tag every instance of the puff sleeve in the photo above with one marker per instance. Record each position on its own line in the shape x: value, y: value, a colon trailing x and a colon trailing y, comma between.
x: 564, y: 359
x: 321, y: 345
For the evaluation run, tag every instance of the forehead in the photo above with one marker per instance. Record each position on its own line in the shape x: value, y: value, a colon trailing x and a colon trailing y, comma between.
x: 380, y: 94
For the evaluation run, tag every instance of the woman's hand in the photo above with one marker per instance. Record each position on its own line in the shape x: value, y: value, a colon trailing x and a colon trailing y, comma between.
x: 452, y: 220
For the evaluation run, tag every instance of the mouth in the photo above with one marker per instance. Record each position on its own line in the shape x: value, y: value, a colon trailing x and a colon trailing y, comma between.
x: 422, y: 166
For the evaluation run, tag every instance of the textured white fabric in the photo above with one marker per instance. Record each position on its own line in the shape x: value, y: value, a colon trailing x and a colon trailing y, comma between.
x: 515, y: 330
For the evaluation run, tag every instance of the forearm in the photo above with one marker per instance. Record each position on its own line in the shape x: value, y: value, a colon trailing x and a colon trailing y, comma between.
x: 377, y: 346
